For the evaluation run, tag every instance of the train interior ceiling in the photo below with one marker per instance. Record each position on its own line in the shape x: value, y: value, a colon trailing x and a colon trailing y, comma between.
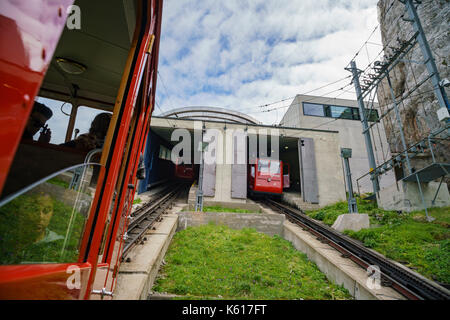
x: 82, y: 82
x: 160, y: 168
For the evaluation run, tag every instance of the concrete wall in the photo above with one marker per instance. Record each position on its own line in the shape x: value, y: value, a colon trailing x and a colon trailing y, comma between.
x: 270, y: 224
x: 405, y: 196
x: 350, y: 136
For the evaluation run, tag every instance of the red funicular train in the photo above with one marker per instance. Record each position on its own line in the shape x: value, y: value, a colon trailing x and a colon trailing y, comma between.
x: 65, y: 199
x: 268, y: 177
x: 185, y: 171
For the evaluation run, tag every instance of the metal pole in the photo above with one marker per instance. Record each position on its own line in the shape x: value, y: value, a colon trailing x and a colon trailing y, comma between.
x: 369, y: 147
x: 199, y: 195
x: 399, y: 122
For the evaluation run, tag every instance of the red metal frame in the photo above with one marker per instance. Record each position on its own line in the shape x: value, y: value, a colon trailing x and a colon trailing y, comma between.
x: 20, y: 84
x: 27, y: 45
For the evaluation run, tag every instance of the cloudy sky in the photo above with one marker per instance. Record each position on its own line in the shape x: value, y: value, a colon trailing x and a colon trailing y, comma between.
x: 240, y: 54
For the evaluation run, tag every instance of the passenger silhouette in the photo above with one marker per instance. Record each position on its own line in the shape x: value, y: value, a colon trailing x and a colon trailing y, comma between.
x: 39, y: 116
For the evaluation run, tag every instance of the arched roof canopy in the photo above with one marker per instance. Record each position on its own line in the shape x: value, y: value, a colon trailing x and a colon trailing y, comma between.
x: 210, y: 113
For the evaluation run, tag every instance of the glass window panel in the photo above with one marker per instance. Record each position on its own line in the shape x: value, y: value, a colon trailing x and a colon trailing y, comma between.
x: 46, y: 223
x: 263, y: 166
x: 274, y: 167
x: 356, y: 114
x: 372, y: 115
x: 313, y: 109
x: 341, y: 112
x: 55, y: 125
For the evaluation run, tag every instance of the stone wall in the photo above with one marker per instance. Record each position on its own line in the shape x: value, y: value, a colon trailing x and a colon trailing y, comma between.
x: 418, y: 113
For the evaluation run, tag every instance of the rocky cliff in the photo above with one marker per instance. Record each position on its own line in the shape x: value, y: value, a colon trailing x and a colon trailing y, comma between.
x: 418, y: 111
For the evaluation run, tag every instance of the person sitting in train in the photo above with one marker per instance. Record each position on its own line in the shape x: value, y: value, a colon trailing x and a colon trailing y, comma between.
x: 96, y: 136
x: 39, y: 116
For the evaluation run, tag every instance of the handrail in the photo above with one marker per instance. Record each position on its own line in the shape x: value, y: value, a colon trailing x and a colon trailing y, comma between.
x: 35, y: 184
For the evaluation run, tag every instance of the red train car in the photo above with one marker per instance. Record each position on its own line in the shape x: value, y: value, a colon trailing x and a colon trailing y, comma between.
x: 65, y: 200
x: 266, y: 177
x: 184, y: 171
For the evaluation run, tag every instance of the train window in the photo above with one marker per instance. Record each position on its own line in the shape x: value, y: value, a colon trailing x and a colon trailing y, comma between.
x: 45, y: 223
x: 263, y: 166
x: 85, y: 117
x: 274, y: 167
x: 53, y: 116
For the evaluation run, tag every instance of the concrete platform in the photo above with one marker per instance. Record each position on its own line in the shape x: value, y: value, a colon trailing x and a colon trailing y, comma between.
x: 405, y: 196
x: 294, y: 199
x: 351, y: 221
x: 136, y: 278
x: 267, y: 223
x: 339, y: 270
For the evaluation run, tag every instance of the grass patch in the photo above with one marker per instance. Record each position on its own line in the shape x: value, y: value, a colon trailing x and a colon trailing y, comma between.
x: 59, y: 182
x: 213, y: 260
x: 137, y: 201
x: 405, y: 237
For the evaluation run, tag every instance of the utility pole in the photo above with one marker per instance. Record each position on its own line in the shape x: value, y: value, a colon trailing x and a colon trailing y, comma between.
x: 366, y: 132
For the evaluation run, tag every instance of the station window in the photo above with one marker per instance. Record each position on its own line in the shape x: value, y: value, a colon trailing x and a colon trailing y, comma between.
x: 337, y: 112
x: 340, y: 112
x: 313, y: 109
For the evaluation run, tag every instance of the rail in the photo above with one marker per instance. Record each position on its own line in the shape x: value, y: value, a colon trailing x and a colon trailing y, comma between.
x: 399, y: 278
x: 143, y: 219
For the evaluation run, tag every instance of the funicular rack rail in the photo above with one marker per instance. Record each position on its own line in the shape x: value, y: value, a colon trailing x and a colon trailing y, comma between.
x: 143, y: 218
x: 399, y: 278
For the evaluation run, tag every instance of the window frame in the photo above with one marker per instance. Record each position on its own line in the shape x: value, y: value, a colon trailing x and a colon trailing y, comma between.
x: 326, y: 110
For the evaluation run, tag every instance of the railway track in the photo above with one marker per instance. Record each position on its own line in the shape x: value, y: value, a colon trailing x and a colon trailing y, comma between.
x: 143, y: 218
x: 399, y: 278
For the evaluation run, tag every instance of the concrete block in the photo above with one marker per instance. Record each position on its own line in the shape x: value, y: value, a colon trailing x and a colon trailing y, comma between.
x: 351, y: 221
x: 339, y: 270
x: 135, y: 279
x: 405, y: 196
x: 269, y: 224
x: 130, y: 286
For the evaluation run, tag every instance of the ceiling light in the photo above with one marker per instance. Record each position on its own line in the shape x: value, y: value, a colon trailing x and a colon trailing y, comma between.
x: 70, y: 66
x: 286, y: 147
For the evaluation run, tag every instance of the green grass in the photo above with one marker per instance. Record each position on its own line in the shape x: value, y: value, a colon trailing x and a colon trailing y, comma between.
x: 137, y: 201
x: 213, y: 260
x: 26, y: 220
x: 405, y: 237
x: 59, y: 182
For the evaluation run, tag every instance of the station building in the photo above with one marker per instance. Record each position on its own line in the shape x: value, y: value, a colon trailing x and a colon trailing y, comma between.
x: 313, y: 155
x: 343, y: 115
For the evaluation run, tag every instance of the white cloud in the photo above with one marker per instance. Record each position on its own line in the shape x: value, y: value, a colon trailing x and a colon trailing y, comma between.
x: 240, y: 54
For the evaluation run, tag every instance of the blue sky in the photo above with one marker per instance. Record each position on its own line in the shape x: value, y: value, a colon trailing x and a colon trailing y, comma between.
x: 241, y: 54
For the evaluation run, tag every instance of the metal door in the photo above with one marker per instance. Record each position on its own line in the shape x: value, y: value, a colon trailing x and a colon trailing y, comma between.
x: 308, y: 172
x: 239, y: 166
